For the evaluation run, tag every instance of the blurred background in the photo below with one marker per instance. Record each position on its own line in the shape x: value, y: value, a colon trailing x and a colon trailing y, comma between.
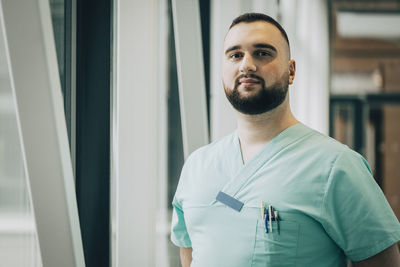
x: 347, y: 86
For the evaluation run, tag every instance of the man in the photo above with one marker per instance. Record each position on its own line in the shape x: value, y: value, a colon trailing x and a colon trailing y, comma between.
x: 275, y: 192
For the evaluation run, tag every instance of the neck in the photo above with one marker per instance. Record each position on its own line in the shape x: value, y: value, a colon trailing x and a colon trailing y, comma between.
x: 259, y: 129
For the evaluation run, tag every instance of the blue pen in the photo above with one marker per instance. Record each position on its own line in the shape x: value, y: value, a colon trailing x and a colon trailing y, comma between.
x: 266, y: 222
x: 270, y: 216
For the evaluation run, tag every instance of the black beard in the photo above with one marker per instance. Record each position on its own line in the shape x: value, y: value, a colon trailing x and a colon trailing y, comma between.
x: 263, y: 101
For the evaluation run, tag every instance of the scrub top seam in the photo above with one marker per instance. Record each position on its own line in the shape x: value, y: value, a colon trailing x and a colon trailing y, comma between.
x: 326, y: 189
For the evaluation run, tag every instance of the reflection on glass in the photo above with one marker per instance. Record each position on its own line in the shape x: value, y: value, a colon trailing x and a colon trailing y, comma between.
x: 344, y: 124
x: 18, y: 237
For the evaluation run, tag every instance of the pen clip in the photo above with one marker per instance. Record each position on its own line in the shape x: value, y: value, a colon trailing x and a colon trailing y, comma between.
x: 262, y: 210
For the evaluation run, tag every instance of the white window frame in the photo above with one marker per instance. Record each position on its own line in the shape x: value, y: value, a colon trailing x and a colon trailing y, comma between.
x: 189, y: 61
x: 32, y: 63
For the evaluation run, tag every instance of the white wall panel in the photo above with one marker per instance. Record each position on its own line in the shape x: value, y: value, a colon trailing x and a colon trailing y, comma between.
x: 136, y: 126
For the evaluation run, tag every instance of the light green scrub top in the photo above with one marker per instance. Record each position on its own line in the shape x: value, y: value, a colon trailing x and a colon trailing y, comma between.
x: 329, y: 204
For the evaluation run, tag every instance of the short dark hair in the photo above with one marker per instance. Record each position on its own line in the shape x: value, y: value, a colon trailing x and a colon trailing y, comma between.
x: 252, y: 17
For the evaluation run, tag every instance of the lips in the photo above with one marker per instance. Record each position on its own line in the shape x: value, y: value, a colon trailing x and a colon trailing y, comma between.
x: 248, y: 82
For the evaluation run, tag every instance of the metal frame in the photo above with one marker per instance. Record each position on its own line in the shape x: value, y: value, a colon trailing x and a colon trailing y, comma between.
x: 70, y: 74
x: 189, y: 59
x: 36, y: 89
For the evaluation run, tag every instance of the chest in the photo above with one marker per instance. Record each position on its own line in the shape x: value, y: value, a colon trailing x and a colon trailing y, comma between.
x: 248, y: 152
x: 282, y: 182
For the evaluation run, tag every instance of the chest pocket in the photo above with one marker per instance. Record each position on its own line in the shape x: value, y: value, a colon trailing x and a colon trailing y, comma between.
x: 273, y: 248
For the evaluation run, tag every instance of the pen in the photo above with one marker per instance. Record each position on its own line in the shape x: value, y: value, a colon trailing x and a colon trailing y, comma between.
x: 262, y: 210
x: 277, y: 220
x: 266, y: 222
x: 270, y: 216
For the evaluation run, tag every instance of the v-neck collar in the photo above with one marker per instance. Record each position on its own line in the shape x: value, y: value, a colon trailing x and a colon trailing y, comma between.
x: 274, y: 140
x: 245, y: 171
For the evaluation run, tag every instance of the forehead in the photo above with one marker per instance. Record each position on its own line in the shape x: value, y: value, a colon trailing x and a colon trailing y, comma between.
x: 244, y: 34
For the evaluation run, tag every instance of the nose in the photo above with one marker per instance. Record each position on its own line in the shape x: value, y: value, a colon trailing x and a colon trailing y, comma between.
x: 247, y: 64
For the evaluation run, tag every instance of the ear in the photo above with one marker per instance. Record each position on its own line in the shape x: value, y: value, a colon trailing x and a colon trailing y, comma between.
x: 292, y: 70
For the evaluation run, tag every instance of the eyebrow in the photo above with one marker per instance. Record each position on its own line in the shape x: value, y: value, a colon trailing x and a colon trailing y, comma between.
x: 259, y: 45
x: 263, y: 45
x: 235, y: 47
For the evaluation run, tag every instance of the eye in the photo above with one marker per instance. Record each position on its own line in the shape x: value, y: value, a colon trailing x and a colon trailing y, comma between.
x: 235, y: 55
x: 262, y: 53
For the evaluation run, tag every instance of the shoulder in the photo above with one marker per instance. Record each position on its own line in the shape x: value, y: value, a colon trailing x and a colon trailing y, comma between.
x: 319, y: 141
x: 342, y: 155
x: 330, y: 156
x: 324, y: 148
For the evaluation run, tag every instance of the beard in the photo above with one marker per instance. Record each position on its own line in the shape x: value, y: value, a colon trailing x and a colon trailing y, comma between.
x: 266, y: 99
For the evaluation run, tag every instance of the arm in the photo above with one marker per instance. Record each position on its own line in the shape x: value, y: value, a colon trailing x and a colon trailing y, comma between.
x: 186, y: 256
x: 389, y: 257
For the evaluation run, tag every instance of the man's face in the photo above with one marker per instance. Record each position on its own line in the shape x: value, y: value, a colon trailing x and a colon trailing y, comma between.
x: 256, y: 69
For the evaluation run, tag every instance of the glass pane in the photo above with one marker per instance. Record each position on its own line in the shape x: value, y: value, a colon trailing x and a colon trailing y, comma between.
x: 366, y: 68
x: 343, y: 123
x: 390, y: 150
x: 18, y: 237
x: 383, y: 149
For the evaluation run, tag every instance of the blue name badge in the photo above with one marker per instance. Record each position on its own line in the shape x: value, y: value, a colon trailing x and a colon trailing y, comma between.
x: 229, y: 201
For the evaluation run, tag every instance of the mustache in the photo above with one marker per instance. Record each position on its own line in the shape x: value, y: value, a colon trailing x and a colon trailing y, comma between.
x: 253, y: 76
